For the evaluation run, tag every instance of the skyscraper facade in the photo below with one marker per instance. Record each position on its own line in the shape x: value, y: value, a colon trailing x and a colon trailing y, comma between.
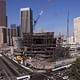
x: 77, y: 29
x: 12, y: 32
x: 3, y: 23
x: 2, y: 13
x: 18, y: 31
x: 26, y: 20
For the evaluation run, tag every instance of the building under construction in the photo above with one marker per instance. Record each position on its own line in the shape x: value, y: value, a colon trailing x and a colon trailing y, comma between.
x: 39, y: 42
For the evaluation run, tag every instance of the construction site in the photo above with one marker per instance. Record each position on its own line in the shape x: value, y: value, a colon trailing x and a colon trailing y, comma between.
x: 35, y: 53
x: 39, y: 50
x: 39, y: 42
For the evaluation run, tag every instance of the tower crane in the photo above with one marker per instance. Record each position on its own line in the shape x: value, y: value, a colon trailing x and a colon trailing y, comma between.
x: 41, y: 12
x: 35, y: 21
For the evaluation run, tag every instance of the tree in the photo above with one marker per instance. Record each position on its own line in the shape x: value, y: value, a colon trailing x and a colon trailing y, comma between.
x: 75, y: 69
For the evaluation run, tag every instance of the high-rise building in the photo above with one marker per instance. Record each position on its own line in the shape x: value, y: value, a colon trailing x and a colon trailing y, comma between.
x: 12, y: 32
x: 26, y: 20
x: 6, y: 21
x: 77, y: 29
x: 3, y: 23
x: 3, y: 35
x: 2, y: 13
x: 18, y: 31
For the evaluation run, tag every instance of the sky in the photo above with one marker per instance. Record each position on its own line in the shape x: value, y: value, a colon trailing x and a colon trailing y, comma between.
x: 54, y: 18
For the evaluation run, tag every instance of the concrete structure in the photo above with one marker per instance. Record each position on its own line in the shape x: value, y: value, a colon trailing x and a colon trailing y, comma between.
x: 77, y: 30
x: 12, y: 32
x: 26, y: 20
x: 18, y: 42
x: 3, y: 23
x: 3, y: 36
x: 71, y: 40
x: 39, y: 42
x: 40, y: 30
x: 18, y: 31
x: 2, y: 13
x: 13, y: 28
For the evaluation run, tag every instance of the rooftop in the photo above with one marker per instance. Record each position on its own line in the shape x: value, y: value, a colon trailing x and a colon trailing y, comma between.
x: 24, y: 9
